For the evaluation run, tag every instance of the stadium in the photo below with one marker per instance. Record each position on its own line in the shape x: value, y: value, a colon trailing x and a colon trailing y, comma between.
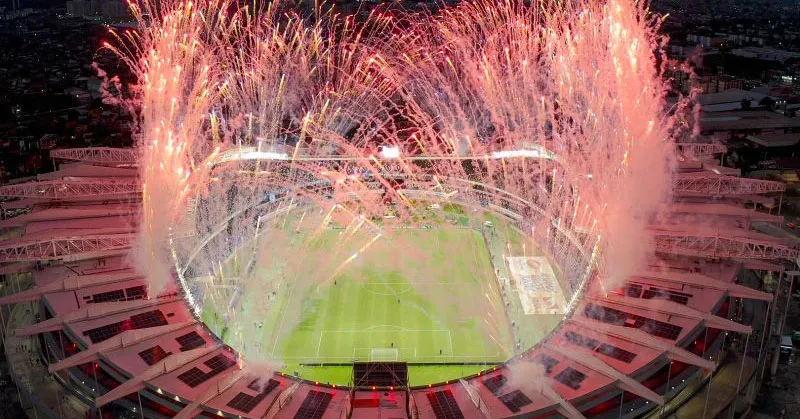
x: 124, y: 352
x: 465, y: 242
x: 490, y: 212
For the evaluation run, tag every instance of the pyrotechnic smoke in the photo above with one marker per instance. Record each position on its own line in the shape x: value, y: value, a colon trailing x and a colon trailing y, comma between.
x: 554, y: 111
x: 578, y: 79
x: 527, y: 375
x: 213, y: 77
x: 174, y: 97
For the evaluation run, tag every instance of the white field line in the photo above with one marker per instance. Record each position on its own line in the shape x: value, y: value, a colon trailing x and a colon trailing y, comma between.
x: 393, y: 351
x: 478, y: 358
x: 319, y: 344
x: 450, y: 339
x: 400, y: 350
x: 283, y: 317
x: 368, y: 330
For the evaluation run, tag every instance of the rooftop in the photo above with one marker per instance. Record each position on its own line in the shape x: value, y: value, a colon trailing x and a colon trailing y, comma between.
x: 746, y: 120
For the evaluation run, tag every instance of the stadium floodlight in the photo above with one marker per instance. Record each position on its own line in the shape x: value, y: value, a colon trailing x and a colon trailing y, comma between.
x: 390, y: 152
x: 533, y: 153
x: 248, y: 153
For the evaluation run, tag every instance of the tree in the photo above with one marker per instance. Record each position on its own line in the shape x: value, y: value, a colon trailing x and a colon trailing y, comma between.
x: 745, y: 104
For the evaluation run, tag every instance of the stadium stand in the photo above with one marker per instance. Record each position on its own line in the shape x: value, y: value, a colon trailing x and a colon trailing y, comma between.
x: 314, y: 405
x: 190, y: 341
x: 515, y: 400
x: 444, y: 405
x: 195, y: 376
x: 244, y: 402
x: 98, y: 327
x: 154, y: 354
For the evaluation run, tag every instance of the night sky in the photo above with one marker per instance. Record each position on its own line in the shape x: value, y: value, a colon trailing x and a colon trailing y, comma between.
x: 35, y: 3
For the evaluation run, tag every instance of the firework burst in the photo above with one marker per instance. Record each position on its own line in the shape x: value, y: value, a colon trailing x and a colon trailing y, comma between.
x: 576, y: 82
x: 552, y: 114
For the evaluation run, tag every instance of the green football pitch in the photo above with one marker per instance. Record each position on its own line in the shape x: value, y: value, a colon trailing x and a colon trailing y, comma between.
x: 339, y: 294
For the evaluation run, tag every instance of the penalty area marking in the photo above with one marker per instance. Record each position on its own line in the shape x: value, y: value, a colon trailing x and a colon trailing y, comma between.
x: 384, y: 354
x: 367, y: 353
x: 409, y: 286
x: 283, y: 317
x: 386, y: 326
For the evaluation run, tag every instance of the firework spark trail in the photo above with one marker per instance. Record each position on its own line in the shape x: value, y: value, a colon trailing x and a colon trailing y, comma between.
x: 174, y: 96
x: 559, y: 106
x: 215, y: 76
x: 578, y: 78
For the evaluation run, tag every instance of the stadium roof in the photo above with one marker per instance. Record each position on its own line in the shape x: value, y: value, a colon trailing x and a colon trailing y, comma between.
x: 620, y: 349
x: 745, y: 120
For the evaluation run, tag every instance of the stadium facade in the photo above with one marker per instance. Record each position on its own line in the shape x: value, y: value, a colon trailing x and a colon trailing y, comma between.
x: 73, y: 299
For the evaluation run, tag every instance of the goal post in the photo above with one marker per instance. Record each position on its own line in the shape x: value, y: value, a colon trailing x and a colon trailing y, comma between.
x: 384, y: 354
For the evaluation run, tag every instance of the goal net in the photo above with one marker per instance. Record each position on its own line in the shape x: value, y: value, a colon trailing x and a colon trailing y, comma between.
x: 383, y: 354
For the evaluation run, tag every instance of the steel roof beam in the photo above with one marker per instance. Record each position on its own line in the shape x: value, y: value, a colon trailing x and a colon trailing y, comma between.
x: 104, y: 156
x: 542, y: 385
x: 163, y: 367
x: 281, y: 401
x: 72, y: 283
x: 193, y: 408
x: 638, y: 337
x: 703, y: 281
x: 124, y: 339
x: 701, y: 149
x: 565, y: 408
x: 475, y: 397
x: 71, y: 189
x: 91, y: 311
x: 673, y: 309
x: 624, y: 382
x: 720, y: 246
x: 710, y: 184
x: 760, y: 265
x: 62, y: 247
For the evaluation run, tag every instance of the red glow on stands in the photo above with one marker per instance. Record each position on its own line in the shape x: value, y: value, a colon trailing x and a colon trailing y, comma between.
x: 602, y: 407
x: 158, y: 407
x: 161, y: 47
x: 366, y: 403
x: 70, y: 348
x: 671, y: 370
x: 618, y: 291
x: 723, y: 309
